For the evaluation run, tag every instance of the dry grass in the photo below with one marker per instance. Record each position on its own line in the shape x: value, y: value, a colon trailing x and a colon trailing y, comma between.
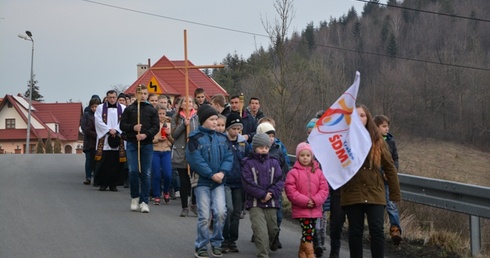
x: 442, y: 160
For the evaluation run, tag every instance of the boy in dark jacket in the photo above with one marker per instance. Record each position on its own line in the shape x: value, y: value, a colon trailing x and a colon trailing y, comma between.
x: 263, y: 183
x: 233, y: 181
x: 210, y: 156
x: 383, y: 124
x: 142, y: 132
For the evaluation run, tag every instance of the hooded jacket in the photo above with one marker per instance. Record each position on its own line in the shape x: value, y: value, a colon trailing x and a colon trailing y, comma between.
x: 179, y: 133
x: 148, y: 119
x: 367, y: 185
x: 261, y: 174
x: 208, y: 153
x: 240, y: 149
x: 301, y: 186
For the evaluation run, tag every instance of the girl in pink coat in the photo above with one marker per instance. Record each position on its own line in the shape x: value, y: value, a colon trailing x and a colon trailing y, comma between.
x: 307, y: 190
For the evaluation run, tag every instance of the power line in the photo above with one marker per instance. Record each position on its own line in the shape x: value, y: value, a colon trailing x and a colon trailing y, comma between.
x: 176, y: 19
x: 424, y: 11
x: 266, y: 36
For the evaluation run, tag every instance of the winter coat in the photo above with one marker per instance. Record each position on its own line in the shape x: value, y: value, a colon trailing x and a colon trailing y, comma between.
x: 367, y: 185
x: 165, y: 145
x: 240, y: 149
x: 150, y: 124
x: 390, y: 140
x: 276, y: 152
x: 301, y: 186
x: 179, y: 133
x: 89, y: 132
x: 208, y: 153
x: 261, y: 174
x: 249, y: 125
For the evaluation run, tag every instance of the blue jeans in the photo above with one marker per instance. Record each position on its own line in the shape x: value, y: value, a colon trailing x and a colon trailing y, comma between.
x: 392, y: 210
x: 89, y: 163
x: 234, y: 203
x: 146, y: 156
x: 207, y: 199
x: 161, y: 166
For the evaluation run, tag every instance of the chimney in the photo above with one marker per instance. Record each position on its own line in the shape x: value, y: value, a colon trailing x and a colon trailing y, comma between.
x: 142, y: 68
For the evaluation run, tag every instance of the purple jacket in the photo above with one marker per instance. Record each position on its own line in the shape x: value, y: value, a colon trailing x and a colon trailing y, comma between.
x: 301, y: 186
x: 261, y: 174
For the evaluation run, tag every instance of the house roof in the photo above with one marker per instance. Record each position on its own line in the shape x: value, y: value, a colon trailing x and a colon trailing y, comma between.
x: 65, y: 115
x: 172, y: 81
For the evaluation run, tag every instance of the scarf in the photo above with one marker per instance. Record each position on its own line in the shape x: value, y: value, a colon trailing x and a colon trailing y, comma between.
x: 100, y: 143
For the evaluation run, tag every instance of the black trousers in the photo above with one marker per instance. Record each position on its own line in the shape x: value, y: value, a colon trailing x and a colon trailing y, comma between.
x: 375, y: 217
x: 185, y: 188
x: 337, y: 219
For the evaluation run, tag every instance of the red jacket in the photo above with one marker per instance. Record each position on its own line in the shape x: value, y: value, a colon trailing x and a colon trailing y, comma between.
x: 302, y: 185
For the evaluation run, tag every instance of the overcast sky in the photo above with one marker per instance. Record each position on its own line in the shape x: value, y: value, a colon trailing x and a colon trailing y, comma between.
x: 84, y: 48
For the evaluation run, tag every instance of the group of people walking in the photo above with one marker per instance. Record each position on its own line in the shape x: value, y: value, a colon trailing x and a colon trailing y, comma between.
x: 228, y: 159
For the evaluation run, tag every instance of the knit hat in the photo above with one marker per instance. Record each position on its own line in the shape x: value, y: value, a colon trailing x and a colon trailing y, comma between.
x: 261, y: 139
x: 233, y: 119
x: 204, y: 112
x: 266, y: 128
x: 312, y: 123
x: 121, y: 95
x: 303, y: 146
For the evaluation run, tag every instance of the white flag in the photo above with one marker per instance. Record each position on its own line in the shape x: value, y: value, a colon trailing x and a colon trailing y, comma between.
x: 339, y: 140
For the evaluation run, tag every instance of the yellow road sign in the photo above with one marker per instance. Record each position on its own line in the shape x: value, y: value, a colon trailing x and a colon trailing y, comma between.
x: 153, y: 86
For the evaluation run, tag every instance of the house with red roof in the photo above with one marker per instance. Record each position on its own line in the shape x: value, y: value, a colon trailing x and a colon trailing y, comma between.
x: 58, y: 120
x: 168, y: 77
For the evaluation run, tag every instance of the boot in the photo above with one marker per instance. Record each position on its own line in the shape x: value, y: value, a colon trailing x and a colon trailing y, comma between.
x: 302, y: 250
x: 309, y: 250
x: 396, y: 235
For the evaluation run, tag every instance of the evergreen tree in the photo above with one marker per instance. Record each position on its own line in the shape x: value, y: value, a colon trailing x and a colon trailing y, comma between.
x: 392, y: 48
x: 49, y: 145
x: 35, y: 90
x: 57, y: 145
x: 309, y: 35
x: 40, y: 146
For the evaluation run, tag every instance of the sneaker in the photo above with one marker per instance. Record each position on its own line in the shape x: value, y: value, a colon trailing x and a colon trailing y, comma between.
x: 201, y: 253
x: 318, y: 250
x: 177, y: 194
x: 156, y: 201
x: 172, y: 194
x: 144, y: 207
x: 232, y: 248
x: 166, y: 198
x: 87, y: 181
x: 103, y: 188
x: 185, y: 213
x: 396, y: 235
x: 194, y: 209
x: 134, y: 204
x: 113, y: 189
x: 217, y: 252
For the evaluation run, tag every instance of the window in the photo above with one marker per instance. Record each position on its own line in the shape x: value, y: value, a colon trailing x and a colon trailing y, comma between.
x: 10, y: 123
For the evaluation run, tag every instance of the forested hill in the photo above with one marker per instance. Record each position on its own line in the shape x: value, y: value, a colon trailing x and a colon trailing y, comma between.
x: 423, y: 63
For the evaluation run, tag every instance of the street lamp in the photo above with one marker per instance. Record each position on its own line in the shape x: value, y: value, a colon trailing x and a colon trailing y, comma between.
x: 31, y: 84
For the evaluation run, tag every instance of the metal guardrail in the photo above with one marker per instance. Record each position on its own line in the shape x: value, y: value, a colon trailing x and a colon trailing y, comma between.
x: 453, y: 196
x: 464, y: 198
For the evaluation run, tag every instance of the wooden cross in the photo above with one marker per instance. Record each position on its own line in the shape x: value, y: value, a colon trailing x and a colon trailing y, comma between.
x: 186, y: 67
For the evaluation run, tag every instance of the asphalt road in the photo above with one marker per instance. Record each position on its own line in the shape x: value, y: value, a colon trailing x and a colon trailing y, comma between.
x: 46, y: 211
